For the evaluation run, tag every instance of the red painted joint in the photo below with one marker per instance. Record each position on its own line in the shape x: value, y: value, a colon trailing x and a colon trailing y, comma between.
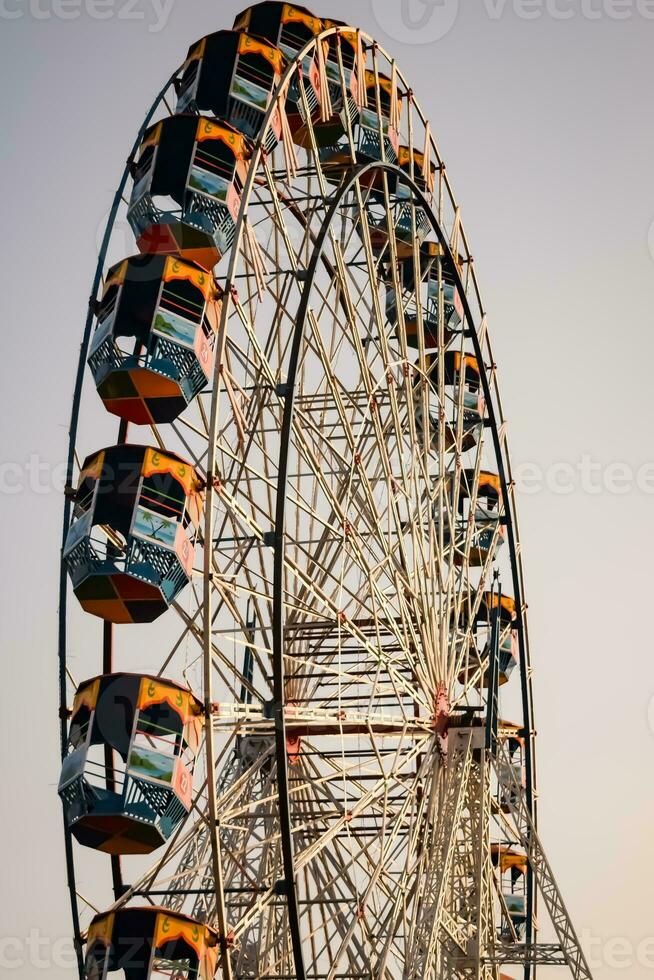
x: 441, y: 719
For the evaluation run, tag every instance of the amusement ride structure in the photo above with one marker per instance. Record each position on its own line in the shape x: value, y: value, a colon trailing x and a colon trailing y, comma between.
x: 296, y: 709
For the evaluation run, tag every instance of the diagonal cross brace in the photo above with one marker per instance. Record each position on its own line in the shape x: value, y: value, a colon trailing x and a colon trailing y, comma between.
x: 530, y: 841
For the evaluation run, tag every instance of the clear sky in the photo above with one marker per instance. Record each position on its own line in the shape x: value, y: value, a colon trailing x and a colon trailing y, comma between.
x: 543, y: 110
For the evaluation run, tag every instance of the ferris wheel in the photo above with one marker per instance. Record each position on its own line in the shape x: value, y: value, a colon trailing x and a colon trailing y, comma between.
x: 296, y: 709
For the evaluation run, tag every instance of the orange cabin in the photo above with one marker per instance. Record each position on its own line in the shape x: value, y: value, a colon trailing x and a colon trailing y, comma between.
x: 478, y: 528
x: 482, y: 631
x: 375, y: 131
x: 289, y: 28
x: 409, y: 220
x: 344, y: 50
x: 511, y: 868
x: 508, y: 638
x: 131, y: 542
x: 338, y: 65
x: 507, y: 859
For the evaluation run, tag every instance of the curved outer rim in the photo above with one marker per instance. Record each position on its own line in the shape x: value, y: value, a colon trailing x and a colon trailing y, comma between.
x: 278, y: 584
x: 63, y: 574
x: 496, y: 416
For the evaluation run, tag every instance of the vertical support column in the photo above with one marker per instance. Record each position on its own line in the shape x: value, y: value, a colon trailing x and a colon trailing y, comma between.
x: 468, y: 922
x: 440, y: 851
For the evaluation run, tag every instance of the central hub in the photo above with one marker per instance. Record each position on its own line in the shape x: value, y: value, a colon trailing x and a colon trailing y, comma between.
x: 441, y: 719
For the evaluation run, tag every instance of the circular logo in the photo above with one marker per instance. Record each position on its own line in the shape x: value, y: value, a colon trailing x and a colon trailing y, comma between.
x: 416, y: 21
x: 650, y: 714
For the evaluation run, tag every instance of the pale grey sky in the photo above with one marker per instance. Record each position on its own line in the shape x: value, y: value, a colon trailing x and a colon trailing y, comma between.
x: 544, y: 114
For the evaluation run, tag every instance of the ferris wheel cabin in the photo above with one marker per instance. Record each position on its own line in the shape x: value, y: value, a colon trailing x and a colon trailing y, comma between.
x: 511, y: 866
x: 512, y: 771
x: 485, y: 511
x: 434, y: 275
x: 508, y: 637
x: 464, y: 400
x: 288, y: 28
x: 409, y: 221
x: 233, y: 75
x: 375, y: 127
x: 346, y: 43
x: 475, y: 502
x: 130, y: 545
x: 339, y: 97
x: 482, y: 629
x: 166, y: 312
x: 153, y: 727
x: 150, y: 942
x: 379, y: 117
x: 188, y: 181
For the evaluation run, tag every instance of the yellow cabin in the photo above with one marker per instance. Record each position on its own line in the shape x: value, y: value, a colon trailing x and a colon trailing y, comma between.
x: 150, y: 942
